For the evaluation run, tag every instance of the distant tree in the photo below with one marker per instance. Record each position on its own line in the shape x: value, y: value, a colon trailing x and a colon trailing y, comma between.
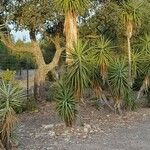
x: 33, y: 16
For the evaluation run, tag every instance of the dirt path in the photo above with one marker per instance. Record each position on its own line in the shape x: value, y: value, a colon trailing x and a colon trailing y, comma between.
x: 98, y: 130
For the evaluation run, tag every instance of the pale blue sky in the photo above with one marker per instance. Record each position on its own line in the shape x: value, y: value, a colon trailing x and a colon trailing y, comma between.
x: 22, y: 35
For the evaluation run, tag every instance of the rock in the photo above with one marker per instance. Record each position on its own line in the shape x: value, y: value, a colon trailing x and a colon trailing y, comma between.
x: 67, y: 139
x: 65, y: 133
x: 48, y: 126
x: 87, y: 126
x: 86, y: 130
x: 84, y: 137
x: 51, y: 133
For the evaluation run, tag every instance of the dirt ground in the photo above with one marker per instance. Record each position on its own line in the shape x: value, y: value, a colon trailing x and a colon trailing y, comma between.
x: 95, y: 130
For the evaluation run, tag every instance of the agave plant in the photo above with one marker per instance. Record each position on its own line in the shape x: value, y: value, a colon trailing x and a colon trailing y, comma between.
x: 10, y: 97
x: 65, y: 103
x: 78, y: 76
x: 118, y: 81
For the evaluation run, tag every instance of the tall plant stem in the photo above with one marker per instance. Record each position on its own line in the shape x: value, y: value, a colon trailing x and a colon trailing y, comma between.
x: 70, y: 31
x: 129, y: 62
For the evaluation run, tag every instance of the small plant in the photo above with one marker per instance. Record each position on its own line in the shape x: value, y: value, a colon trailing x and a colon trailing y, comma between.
x: 7, y: 75
x: 65, y: 103
x: 10, y: 97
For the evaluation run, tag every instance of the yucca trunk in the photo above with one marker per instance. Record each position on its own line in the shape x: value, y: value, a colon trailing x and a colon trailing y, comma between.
x: 129, y: 61
x: 70, y: 31
x: 129, y: 35
x: 145, y: 86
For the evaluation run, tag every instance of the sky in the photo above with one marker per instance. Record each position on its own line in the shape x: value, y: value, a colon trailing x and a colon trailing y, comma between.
x: 22, y: 35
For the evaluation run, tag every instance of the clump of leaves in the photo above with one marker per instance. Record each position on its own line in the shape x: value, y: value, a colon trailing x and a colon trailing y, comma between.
x: 7, y: 75
x: 103, y: 55
x: 65, y: 102
x: 79, y: 70
x: 118, y: 81
x: 10, y: 98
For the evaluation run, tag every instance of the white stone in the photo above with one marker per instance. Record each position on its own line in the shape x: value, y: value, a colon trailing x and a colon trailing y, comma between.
x: 51, y: 133
x: 86, y: 130
x: 48, y: 126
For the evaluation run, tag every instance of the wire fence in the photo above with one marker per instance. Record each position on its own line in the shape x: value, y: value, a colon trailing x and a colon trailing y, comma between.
x: 24, y: 75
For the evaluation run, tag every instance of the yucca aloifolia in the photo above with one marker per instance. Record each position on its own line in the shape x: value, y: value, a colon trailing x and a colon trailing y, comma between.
x: 65, y: 103
x: 10, y: 97
x: 71, y: 10
x: 131, y: 15
x: 145, y: 63
x: 118, y: 81
x: 103, y: 54
x: 79, y: 70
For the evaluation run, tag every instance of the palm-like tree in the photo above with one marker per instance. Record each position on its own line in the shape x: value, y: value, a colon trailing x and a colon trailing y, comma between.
x: 132, y: 18
x: 118, y: 82
x: 65, y: 103
x: 79, y: 70
x: 71, y: 9
x: 145, y: 63
x: 103, y: 55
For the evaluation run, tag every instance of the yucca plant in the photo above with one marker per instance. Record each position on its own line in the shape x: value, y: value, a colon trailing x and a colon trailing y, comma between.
x: 10, y: 97
x: 145, y: 64
x: 136, y: 63
x: 144, y: 43
x: 118, y: 81
x: 8, y: 75
x: 78, y: 72
x: 65, y: 103
x: 146, y: 71
x: 71, y: 9
x: 103, y: 55
x: 131, y: 15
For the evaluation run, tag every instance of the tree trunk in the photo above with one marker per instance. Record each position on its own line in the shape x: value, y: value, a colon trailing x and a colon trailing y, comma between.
x: 129, y: 30
x: 70, y: 31
x: 39, y: 81
x: 34, y: 49
x: 129, y: 62
x: 145, y: 86
x: 32, y: 35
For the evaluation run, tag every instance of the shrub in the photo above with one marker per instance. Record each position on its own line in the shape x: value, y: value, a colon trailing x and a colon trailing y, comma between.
x: 10, y: 97
x: 65, y: 103
x: 7, y: 75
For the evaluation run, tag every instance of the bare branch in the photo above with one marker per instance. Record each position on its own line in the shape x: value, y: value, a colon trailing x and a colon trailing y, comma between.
x: 14, y: 46
x: 58, y: 52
